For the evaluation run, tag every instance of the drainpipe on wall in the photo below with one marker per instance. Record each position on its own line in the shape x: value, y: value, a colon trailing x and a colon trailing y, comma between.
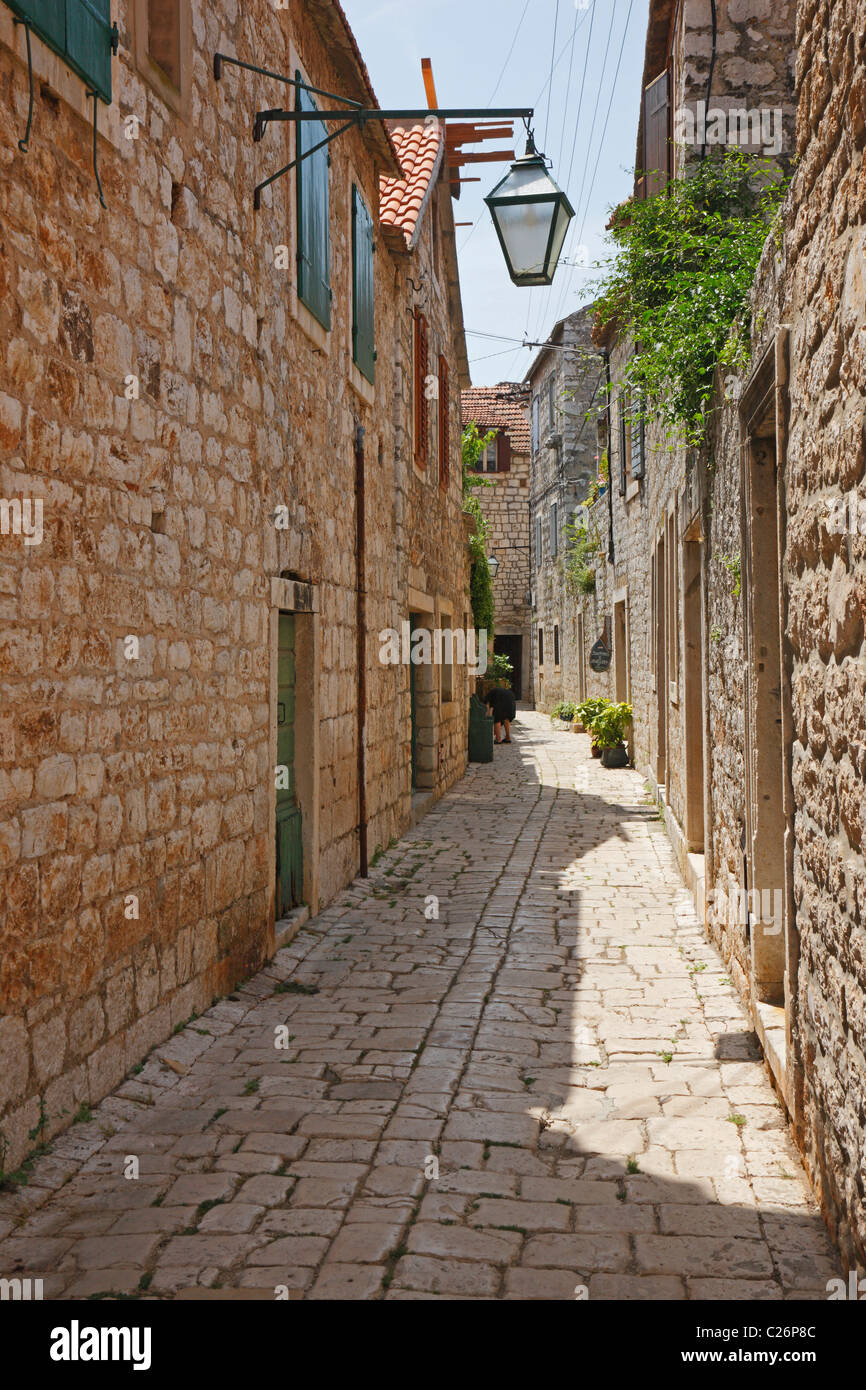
x: 361, y: 629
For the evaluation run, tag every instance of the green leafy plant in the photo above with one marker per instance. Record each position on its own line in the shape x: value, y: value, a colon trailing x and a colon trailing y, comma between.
x: 733, y: 566
x: 579, y: 574
x: 500, y: 670
x: 565, y: 711
x: 678, y: 282
x: 589, y: 710
x: 481, y: 581
x: 610, y: 724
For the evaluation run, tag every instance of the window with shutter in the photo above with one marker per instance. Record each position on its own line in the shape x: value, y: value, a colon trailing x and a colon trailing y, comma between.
x: 444, y: 424
x: 503, y: 453
x: 656, y: 137
x: 422, y: 415
x: 314, y: 233
x: 554, y: 530
x: 535, y: 425
x: 80, y: 31
x: 539, y: 542
x: 638, y: 441
x: 624, y: 442
x: 556, y: 645
x: 363, y: 296
x: 541, y: 646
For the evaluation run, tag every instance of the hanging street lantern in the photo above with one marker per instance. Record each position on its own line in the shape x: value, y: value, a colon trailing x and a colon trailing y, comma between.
x: 531, y: 215
x: 493, y: 566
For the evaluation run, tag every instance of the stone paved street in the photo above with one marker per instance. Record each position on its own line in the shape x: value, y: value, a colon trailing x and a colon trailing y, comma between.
x: 561, y: 1041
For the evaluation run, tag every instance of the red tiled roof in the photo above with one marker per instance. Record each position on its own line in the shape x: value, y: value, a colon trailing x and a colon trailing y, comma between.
x: 499, y: 408
x: 419, y: 149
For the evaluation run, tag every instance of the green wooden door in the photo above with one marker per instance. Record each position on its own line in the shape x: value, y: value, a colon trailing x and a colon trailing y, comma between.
x: 290, y: 859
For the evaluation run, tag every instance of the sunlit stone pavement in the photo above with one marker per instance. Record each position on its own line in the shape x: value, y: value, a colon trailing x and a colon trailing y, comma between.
x: 548, y: 1090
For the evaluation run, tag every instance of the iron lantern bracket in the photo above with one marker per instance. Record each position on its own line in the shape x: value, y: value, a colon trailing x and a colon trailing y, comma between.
x: 355, y: 117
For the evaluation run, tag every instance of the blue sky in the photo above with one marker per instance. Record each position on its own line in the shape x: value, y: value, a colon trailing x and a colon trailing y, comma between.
x: 483, y: 55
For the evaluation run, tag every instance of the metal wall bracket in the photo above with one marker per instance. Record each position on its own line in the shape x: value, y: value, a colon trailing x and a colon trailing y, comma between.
x: 357, y: 116
x: 93, y: 94
x: 24, y: 144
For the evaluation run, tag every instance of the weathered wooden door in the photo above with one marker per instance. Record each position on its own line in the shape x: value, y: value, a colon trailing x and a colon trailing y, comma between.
x: 290, y: 862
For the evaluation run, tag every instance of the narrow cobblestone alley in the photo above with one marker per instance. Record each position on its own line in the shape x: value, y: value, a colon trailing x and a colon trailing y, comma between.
x: 561, y: 1040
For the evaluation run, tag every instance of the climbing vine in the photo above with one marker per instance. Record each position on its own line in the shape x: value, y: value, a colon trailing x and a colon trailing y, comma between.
x: 678, y: 282
x: 480, y: 582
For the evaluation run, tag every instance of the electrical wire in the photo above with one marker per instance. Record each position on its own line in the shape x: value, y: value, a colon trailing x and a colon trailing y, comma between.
x: 604, y: 130
x: 552, y: 65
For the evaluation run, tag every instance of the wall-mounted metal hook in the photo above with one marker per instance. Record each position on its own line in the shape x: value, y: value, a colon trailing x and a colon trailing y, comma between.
x: 24, y: 144
x: 93, y: 94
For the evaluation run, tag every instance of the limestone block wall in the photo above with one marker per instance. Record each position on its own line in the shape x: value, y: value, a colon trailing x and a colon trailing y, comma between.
x: 563, y: 468
x: 136, y: 791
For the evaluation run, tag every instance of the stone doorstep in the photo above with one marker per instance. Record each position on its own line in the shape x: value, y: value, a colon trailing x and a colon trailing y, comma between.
x: 287, y: 929
x: 769, y: 1022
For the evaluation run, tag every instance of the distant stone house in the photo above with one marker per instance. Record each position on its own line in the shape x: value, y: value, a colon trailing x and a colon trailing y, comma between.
x: 503, y: 411
x: 739, y: 569
x: 565, y: 380
x: 239, y: 431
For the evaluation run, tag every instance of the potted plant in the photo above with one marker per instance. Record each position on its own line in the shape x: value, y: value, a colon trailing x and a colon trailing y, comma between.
x: 587, y: 712
x: 609, y: 733
x: 563, y: 713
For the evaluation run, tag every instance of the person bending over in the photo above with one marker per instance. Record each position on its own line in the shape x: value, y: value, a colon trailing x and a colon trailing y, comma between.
x: 503, y: 707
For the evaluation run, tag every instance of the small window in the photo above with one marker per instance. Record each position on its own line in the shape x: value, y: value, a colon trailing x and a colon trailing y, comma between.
x: 541, y: 646
x: 554, y: 530
x: 447, y: 668
x: 488, y: 459
x: 163, y: 43
x: 422, y: 409
x: 556, y: 645
x: 625, y: 440
x: 539, y: 542
x: 535, y: 425
x: 314, y: 233
x: 163, y: 37
x: 363, y: 287
x: 551, y: 403
x: 444, y: 424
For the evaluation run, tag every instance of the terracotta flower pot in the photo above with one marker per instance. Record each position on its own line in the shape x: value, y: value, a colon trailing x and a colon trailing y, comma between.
x: 596, y: 752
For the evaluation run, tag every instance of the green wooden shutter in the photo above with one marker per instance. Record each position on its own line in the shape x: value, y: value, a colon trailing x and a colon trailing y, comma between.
x: 314, y: 235
x: 363, y: 304
x: 80, y: 31
x: 47, y: 17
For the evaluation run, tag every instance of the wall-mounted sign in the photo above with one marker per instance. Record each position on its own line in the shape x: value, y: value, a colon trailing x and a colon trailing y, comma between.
x: 599, y: 657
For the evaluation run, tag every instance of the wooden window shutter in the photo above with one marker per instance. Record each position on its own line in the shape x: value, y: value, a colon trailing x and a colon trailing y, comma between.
x: 444, y: 423
x: 503, y: 453
x: 422, y: 409
x: 80, y: 31
x: 363, y: 289
x: 48, y: 18
x: 638, y: 442
x: 536, y: 429
x: 656, y: 136
x: 314, y: 233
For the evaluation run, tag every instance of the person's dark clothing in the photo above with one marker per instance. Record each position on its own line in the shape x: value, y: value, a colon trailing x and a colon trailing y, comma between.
x: 502, y: 704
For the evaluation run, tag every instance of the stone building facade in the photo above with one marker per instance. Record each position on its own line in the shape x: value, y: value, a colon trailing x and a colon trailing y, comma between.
x: 565, y: 380
x: 504, y: 411
x: 739, y: 572
x: 236, y: 497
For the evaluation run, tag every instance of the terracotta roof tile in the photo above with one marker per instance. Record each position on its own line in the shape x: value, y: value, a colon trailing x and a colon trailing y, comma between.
x: 419, y: 149
x: 501, y: 407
